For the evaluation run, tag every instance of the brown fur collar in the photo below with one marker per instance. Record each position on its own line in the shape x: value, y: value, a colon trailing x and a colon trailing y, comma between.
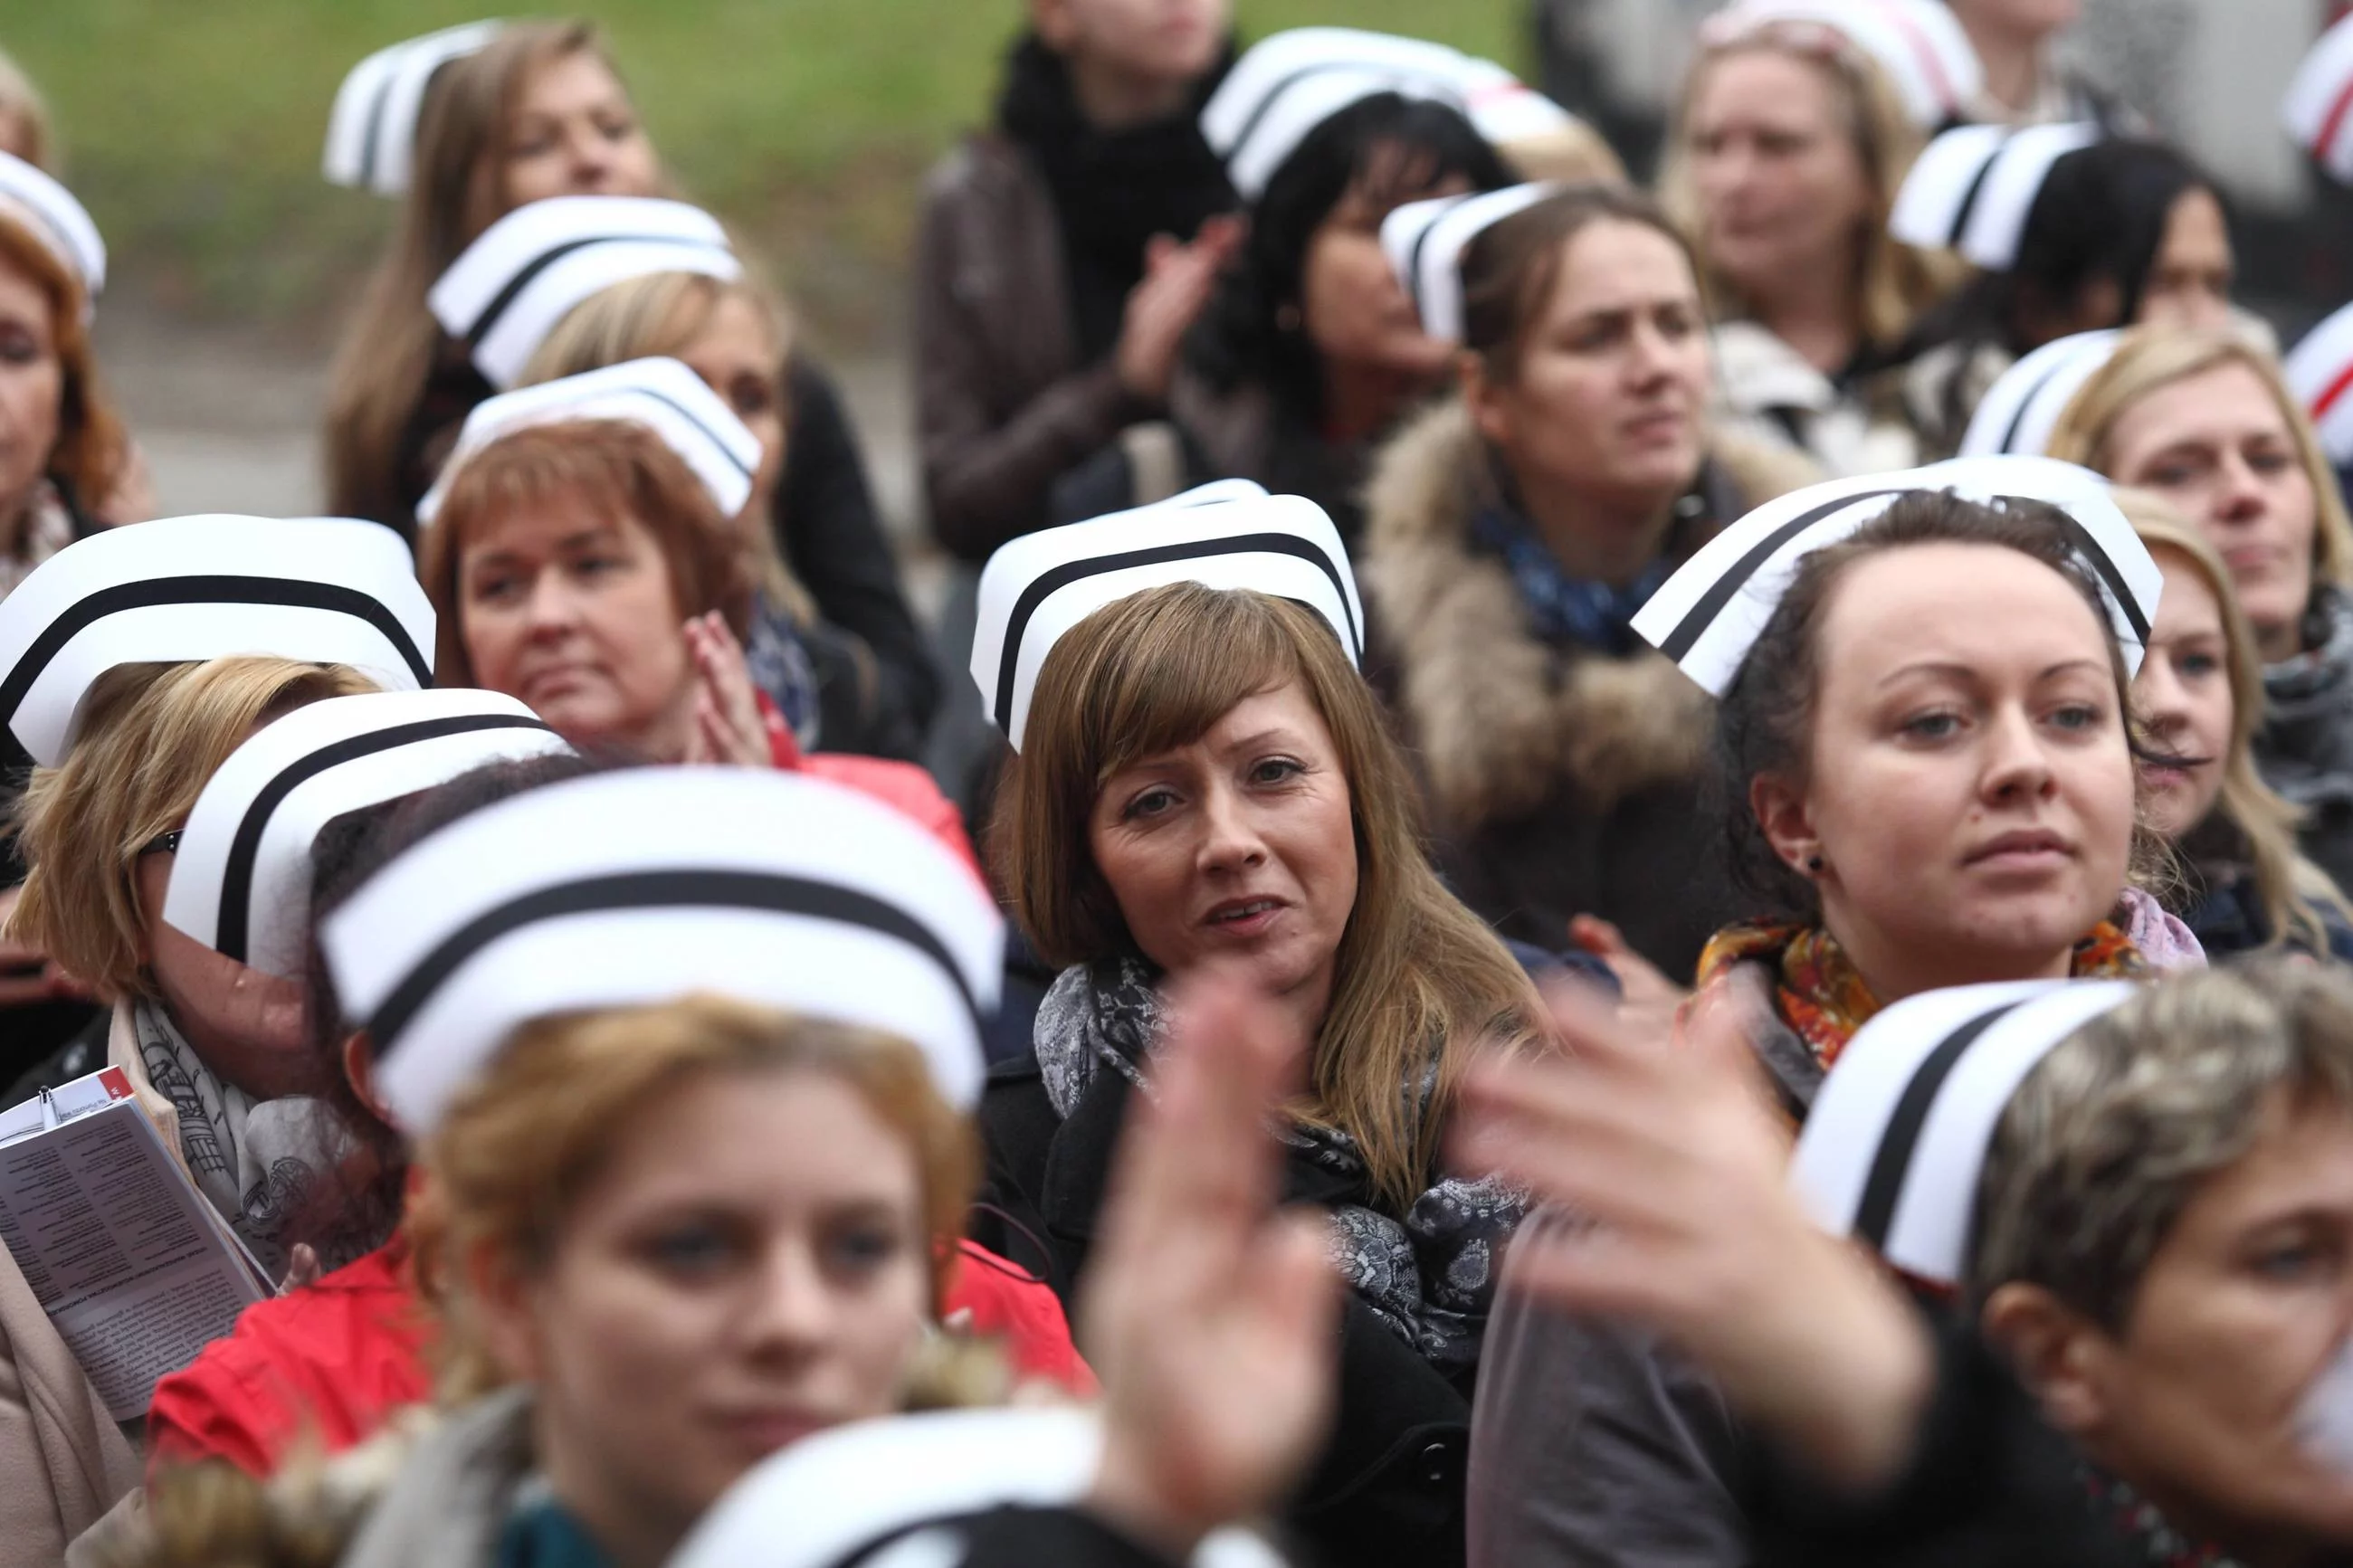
x: 1502, y: 722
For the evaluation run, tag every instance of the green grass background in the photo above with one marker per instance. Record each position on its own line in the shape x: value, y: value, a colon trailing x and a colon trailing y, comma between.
x: 192, y: 128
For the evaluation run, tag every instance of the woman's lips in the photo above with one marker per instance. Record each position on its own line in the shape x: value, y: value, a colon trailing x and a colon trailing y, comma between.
x: 1243, y: 918
x: 2029, y: 850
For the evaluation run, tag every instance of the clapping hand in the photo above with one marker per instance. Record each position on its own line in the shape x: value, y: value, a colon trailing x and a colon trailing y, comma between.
x: 728, y: 725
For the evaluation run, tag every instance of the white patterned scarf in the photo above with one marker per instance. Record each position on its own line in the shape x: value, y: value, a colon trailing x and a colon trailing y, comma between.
x: 255, y: 1163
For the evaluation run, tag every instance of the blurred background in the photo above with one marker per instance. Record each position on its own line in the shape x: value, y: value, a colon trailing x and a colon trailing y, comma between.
x: 192, y: 128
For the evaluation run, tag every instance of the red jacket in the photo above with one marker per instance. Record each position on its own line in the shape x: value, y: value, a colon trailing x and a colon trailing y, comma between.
x: 902, y: 784
x: 328, y: 1362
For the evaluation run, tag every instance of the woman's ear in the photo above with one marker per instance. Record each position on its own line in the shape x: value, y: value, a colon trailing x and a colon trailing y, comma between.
x: 359, y: 1071
x: 1780, y: 807
x: 501, y: 1301
x: 1483, y: 397
x: 2056, y: 1351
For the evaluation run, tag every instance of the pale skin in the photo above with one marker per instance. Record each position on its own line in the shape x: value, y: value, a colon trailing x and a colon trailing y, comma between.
x: 2010, y: 37
x: 1375, y: 357
x: 2196, y: 1397
x: 1971, y: 790
x: 2189, y: 284
x: 2183, y: 696
x: 32, y: 388
x: 2220, y: 447
x: 1785, y: 195
x: 1601, y: 426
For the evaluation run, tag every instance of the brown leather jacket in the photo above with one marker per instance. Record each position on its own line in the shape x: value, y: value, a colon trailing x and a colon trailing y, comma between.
x: 1002, y: 406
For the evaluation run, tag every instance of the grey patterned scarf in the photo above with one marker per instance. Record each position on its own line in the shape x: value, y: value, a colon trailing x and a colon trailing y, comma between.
x: 1430, y: 1274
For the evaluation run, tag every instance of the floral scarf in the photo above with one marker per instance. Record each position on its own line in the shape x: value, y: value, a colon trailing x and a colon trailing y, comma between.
x: 1429, y: 1276
x: 2146, y: 1531
x: 1823, y: 996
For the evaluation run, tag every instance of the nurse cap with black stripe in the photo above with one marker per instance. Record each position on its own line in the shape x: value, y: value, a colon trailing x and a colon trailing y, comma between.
x: 1228, y: 535
x: 662, y: 395
x: 2318, y: 109
x: 2021, y: 408
x: 1709, y: 615
x: 320, y: 590
x: 1918, y: 45
x: 1973, y: 188
x: 58, y: 223
x: 241, y: 880
x: 372, y: 130
x: 1425, y: 241
x: 650, y: 885
x: 2319, y: 372
x: 1896, y: 1140
x: 506, y: 291
x: 1289, y: 83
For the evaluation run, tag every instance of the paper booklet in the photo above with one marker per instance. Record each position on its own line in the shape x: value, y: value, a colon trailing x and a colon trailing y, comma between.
x: 134, y: 1268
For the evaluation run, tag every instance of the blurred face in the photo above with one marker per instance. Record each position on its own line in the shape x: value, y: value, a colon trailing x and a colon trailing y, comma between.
x: 737, y: 355
x: 243, y: 1024
x: 1610, y: 388
x: 1148, y: 40
x: 1783, y: 192
x: 749, y: 1267
x: 576, y: 133
x: 2183, y: 694
x: 1970, y: 792
x: 577, y: 617
x: 2189, y: 282
x: 2247, y: 1300
x: 1239, y: 849
x: 2017, y: 17
x: 32, y: 391
x: 2219, y: 445
x: 1351, y: 305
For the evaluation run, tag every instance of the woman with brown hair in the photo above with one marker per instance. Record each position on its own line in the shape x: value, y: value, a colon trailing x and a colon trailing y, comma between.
x: 1789, y: 145
x: 1204, y: 784
x: 1514, y: 531
x: 541, y: 111
x: 2205, y: 421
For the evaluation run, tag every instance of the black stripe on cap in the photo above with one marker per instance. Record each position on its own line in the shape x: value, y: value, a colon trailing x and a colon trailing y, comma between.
x: 1977, y: 188
x: 2090, y: 551
x: 2018, y: 420
x: 1891, y: 1163
x: 773, y: 892
x: 1047, y: 583
x: 1703, y: 615
x: 294, y: 592
x: 371, y: 145
x: 688, y: 414
x: 505, y: 298
x: 1413, y: 259
x: 231, y: 937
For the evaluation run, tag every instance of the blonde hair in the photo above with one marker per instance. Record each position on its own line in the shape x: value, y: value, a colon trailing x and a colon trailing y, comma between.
x: 388, y: 356
x: 661, y: 314
x: 1895, y: 282
x: 2287, y: 884
x: 2150, y: 358
x: 1421, y: 981
x: 1572, y: 153
x: 515, y: 1153
x: 92, y: 453
x: 151, y: 737
x: 24, y: 116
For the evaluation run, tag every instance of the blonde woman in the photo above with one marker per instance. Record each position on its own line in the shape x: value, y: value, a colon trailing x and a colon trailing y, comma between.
x: 2199, y: 698
x: 2205, y: 421
x: 1788, y: 151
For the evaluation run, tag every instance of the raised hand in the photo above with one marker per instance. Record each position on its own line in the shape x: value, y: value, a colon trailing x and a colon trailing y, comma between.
x: 1162, y: 308
x: 1647, y: 999
x: 1209, y: 1316
x: 728, y: 727
x: 1675, y: 1161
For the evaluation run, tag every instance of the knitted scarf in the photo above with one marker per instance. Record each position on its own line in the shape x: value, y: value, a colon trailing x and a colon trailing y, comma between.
x: 1428, y: 1275
x: 1824, y: 997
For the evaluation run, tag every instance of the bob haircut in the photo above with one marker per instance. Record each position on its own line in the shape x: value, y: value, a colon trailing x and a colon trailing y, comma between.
x: 605, y: 470
x: 1420, y: 978
x: 391, y: 352
x: 520, y: 1146
x: 662, y: 314
x: 1765, y: 724
x: 1510, y: 268
x: 2153, y: 358
x: 2287, y: 884
x: 2112, y: 1137
x: 1897, y: 282
x: 152, y: 736
x: 92, y: 455
x: 1395, y: 148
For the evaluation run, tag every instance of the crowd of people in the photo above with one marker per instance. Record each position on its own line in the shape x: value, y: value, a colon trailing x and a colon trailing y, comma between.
x: 1625, y: 876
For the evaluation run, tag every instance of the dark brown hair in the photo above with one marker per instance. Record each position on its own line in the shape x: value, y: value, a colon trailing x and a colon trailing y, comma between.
x: 609, y: 470
x: 1509, y: 270
x: 1764, y: 723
